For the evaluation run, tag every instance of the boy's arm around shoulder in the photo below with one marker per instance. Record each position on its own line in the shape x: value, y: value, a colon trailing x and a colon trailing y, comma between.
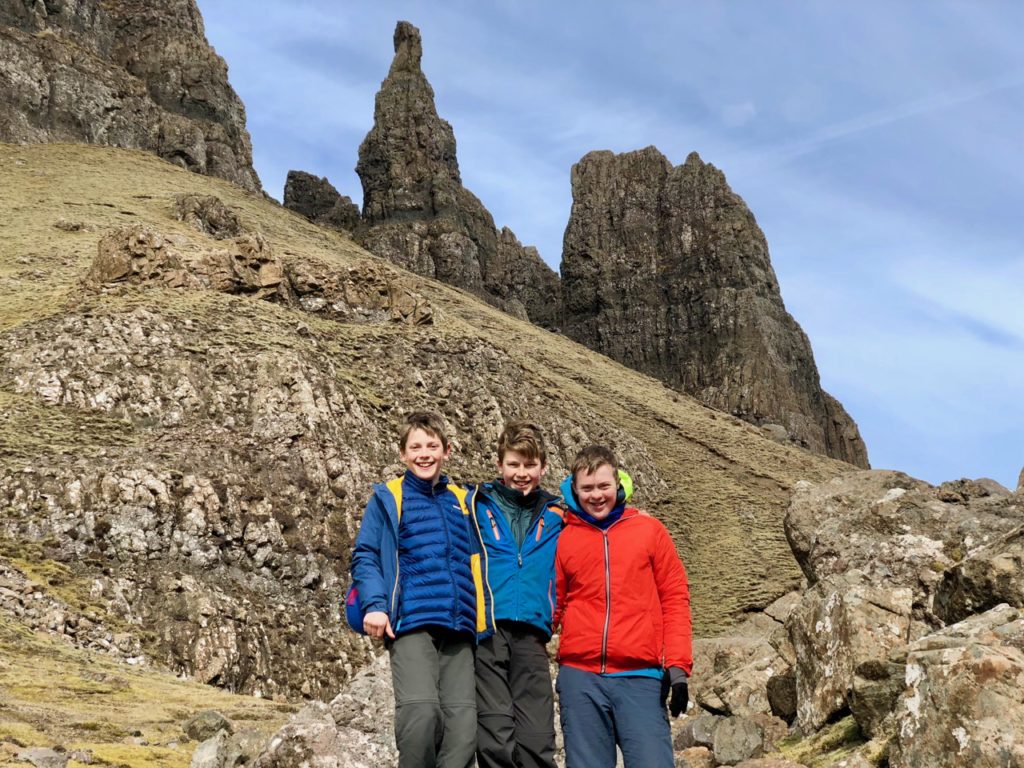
x: 674, y: 594
x: 367, y: 564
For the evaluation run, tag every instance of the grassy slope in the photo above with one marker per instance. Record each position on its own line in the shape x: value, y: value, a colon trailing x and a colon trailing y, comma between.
x: 54, y: 694
x: 730, y: 486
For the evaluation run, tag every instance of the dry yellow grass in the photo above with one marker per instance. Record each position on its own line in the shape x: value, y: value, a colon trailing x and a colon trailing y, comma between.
x: 54, y: 694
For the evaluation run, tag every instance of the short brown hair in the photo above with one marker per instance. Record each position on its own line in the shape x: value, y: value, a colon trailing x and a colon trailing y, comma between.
x: 523, y: 437
x: 430, y: 422
x: 592, y: 457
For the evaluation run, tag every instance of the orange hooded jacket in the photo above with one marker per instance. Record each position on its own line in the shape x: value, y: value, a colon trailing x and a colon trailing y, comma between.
x: 622, y: 601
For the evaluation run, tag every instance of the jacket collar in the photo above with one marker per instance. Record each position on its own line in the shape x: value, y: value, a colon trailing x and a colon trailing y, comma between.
x: 422, y: 486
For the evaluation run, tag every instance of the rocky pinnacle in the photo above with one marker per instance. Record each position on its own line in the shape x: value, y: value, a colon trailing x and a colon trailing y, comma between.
x: 665, y: 270
x: 416, y: 211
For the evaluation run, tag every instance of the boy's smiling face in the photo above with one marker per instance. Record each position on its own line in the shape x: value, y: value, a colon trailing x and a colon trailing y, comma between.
x: 597, y: 490
x: 521, y: 472
x: 424, y: 454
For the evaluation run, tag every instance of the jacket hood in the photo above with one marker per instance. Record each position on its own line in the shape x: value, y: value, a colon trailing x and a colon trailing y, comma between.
x: 569, y: 495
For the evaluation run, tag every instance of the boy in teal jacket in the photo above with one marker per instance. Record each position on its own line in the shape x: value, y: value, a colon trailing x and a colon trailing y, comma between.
x: 519, y: 524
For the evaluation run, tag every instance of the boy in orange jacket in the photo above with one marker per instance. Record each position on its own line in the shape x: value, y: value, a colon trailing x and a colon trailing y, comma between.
x: 623, y: 605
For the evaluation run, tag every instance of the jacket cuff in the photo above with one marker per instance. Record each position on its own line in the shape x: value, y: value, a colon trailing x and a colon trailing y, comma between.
x: 677, y: 675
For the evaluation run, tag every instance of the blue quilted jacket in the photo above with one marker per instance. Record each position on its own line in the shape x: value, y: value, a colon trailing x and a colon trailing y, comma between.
x: 419, y: 558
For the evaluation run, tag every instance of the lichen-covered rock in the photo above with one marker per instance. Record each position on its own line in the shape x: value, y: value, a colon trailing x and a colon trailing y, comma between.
x: 843, y: 623
x: 139, y: 75
x: 665, y: 270
x: 899, y: 531
x: 988, y: 577
x: 964, y: 703
x: 316, y: 198
x: 416, y: 212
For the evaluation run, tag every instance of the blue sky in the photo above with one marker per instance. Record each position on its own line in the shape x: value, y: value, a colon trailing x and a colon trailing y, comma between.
x: 877, y: 143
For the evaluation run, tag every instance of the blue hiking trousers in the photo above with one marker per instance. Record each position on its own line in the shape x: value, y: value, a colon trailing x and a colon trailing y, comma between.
x: 599, y: 713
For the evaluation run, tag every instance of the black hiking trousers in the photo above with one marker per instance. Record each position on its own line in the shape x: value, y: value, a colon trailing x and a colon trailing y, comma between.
x: 514, y: 699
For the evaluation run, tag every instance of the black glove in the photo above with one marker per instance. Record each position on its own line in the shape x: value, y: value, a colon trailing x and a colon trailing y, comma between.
x: 679, y: 683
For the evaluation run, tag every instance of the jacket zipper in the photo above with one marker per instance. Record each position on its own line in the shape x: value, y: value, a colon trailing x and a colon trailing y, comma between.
x: 607, y: 591
x: 607, y: 604
x: 540, y: 529
x: 489, y: 621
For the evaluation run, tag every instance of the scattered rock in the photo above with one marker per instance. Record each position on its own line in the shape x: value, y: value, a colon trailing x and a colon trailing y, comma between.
x: 318, y: 200
x: 206, y: 725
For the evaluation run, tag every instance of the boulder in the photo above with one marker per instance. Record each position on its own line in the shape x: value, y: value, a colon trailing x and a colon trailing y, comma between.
x: 206, y: 725
x: 897, y: 530
x: 696, y: 731
x: 844, y: 623
x: 964, y: 702
x: 738, y: 739
x: 991, y: 575
x: 208, y: 214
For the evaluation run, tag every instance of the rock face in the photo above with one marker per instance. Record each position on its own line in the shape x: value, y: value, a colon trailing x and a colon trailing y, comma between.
x: 317, y: 199
x: 416, y: 211
x: 131, y: 74
x: 665, y: 270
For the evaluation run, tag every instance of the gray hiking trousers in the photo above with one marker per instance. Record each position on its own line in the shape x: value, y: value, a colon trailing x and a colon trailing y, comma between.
x: 435, y: 699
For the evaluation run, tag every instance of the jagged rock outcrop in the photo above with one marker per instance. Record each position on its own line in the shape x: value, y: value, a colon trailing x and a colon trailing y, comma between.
x: 133, y: 74
x: 316, y: 198
x: 416, y: 211
x: 665, y: 270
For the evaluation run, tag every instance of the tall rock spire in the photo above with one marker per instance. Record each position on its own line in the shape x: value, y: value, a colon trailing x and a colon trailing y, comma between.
x: 416, y: 211
x: 665, y: 270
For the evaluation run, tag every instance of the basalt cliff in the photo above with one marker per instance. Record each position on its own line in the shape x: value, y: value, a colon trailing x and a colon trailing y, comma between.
x: 129, y: 74
x: 663, y: 269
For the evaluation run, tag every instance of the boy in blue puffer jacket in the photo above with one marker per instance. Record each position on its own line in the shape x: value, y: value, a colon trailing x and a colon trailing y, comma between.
x: 519, y: 523
x: 418, y: 572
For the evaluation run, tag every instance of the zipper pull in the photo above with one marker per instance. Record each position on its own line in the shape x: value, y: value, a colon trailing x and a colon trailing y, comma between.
x: 520, y: 559
x: 494, y: 526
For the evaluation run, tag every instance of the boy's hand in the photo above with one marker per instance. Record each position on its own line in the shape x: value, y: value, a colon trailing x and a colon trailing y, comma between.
x: 377, y: 624
x: 680, y: 691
